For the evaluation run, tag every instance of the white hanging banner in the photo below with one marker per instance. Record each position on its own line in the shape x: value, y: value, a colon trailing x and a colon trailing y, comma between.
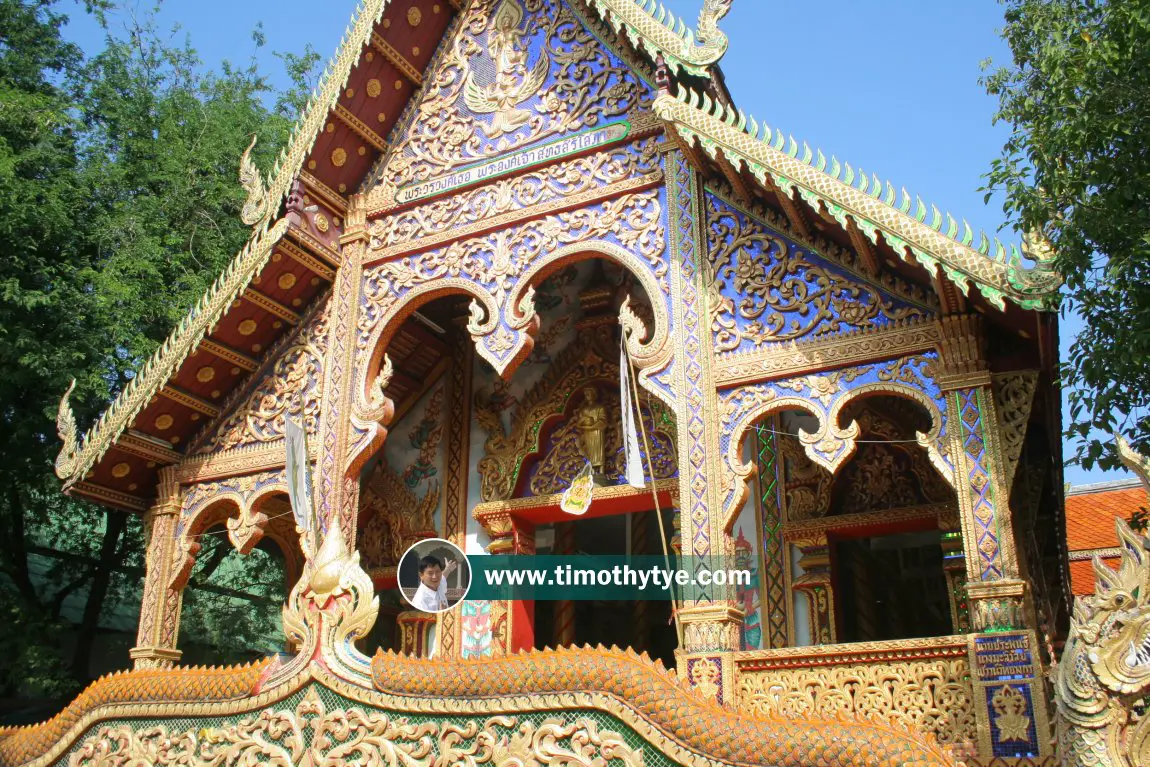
x: 634, y: 459
x: 299, y: 477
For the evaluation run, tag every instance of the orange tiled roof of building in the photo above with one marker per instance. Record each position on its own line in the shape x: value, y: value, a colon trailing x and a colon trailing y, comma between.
x: 1090, y: 513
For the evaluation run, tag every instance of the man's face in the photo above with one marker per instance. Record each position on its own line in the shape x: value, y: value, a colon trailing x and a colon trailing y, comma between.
x: 430, y: 577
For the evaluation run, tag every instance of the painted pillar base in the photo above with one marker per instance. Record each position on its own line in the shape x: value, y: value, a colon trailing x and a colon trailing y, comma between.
x: 154, y: 657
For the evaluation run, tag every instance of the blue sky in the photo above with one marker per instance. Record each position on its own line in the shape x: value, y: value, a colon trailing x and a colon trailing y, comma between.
x: 889, y: 85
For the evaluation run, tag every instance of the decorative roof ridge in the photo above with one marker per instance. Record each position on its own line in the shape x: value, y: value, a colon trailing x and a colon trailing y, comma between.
x: 1112, y: 485
x: 78, y: 454
x: 651, y: 27
x: 876, y: 208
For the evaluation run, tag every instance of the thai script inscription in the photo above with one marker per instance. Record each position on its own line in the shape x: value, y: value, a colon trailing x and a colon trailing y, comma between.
x: 525, y: 159
x: 1003, y: 656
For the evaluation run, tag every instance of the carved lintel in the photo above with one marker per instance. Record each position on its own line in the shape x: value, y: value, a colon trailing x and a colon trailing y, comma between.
x: 963, y: 354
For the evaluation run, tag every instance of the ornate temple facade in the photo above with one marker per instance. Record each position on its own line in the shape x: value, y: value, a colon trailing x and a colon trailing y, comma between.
x: 843, y: 390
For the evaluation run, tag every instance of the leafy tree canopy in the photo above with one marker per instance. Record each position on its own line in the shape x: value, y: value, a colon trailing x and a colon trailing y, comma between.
x: 118, y: 206
x: 1077, y: 168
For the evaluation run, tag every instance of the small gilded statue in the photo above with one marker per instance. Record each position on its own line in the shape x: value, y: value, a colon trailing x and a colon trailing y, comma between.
x: 591, y: 423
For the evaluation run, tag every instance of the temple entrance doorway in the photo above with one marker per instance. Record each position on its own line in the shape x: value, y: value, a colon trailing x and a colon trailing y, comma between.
x: 891, y: 587
x: 644, y: 626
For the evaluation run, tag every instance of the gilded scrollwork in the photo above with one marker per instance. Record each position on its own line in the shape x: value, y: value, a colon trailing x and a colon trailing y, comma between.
x: 313, y: 733
x: 237, y: 502
x: 766, y: 289
x: 931, y: 696
x: 518, y: 72
x: 1014, y: 396
x: 591, y: 358
x: 825, y: 396
x: 499, y: 270
x: 559, y: 465
x: 292, y: 387
x: 554, y: 182
x: 398, y: 518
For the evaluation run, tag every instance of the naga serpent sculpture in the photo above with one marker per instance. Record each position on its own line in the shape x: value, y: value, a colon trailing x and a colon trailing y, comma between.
x: 1105, y: 669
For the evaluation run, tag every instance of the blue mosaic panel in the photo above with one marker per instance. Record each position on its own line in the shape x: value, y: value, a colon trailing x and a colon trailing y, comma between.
x: 772, y: 291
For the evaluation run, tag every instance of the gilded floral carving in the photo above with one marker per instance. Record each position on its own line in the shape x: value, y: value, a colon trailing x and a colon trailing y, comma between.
x: 499, y: 269
x: 929, y: 696
x: 519, y: 71
x: 554, y: 182
x: 291, y: 387
x: 766, y: 289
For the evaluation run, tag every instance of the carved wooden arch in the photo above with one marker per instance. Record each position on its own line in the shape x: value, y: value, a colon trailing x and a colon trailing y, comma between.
x: 511, y: 313
x: 824, y: 396
x: 193, y: 523
x: 234, y: 502
x: 934, y: 441
x: 734, y: 473
x: 592, y: 357
x: 371, y: 409
x: 649, y: 347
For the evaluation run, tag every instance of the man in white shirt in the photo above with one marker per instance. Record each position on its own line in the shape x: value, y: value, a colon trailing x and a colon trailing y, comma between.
x: 431, y: 596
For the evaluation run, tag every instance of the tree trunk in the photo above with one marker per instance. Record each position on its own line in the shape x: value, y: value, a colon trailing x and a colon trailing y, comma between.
x: 97, y: 593
x: 16, y: 556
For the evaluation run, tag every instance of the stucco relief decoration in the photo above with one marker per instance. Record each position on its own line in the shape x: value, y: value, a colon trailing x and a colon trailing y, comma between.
x: 636, y: 159
x: 767, y: 289
x: 234, y: 501
x: 519, y: 72
x: 824, y: 396
x: 563, y: 459
x: 500, y: 270
x: 396, y: 517
x: 291, y: 388
x: 592, y: 359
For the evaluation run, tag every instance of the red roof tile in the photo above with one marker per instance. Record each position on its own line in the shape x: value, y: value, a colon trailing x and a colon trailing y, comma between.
x: 1090, y: 517
x: 1082, y: 575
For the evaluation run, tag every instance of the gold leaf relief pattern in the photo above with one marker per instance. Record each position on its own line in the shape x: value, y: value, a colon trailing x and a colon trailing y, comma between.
x: 565, y: 459
x: 311, y: 733
x: 496, y: 261
x: 292, y: 387
x: 930, y: 696
x: 554, y: 182
x: 519, y: 71
x: 766, y: 291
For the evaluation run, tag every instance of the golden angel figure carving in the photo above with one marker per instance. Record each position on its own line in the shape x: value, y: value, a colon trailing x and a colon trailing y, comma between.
x: 513, y: 83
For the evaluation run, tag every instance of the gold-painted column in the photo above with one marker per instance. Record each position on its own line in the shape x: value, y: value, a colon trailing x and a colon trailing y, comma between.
x: 564, y: 633
x: 996, y: 593
x: 160, y: 608
x: 816, y: 584
x: 458, y: 456
x: 337, y: 485
x: 710, y: 619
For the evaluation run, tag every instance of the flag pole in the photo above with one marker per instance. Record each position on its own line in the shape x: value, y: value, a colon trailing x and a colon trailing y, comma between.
x: 654, y: 490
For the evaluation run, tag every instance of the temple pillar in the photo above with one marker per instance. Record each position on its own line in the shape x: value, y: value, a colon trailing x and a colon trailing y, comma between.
x: 995, y: 591
x: 773, y: 599
x: 564, y: 633
x: 954, y: 569
x: 709, y: 618
x: 1003, y: 651
x: 337, y: 480
x: 815, y: 583
x: 511, y: 535
x: 160, y: 608
x: 457, y: 451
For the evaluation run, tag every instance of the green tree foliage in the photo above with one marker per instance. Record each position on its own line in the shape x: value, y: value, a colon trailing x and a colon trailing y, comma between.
x: 118, y: 206
x: 1077, y: 167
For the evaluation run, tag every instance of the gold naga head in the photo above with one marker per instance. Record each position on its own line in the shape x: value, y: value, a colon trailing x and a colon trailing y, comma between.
x: 1115, y: 621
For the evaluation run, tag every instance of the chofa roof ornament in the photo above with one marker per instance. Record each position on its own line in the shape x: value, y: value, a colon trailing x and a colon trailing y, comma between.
x: 654, y: 29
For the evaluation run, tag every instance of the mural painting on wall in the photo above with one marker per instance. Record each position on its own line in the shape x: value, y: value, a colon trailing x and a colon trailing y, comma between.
x: 401, y: 494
